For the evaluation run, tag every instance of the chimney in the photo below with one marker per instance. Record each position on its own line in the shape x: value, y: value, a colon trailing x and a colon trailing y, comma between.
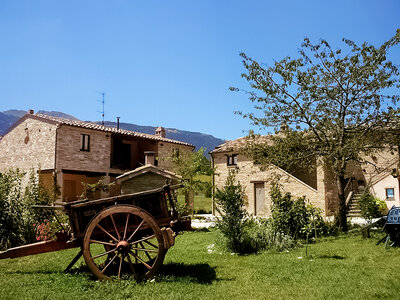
x: 160, y: 131
x: 117, y: 123
x: 149, y: 157
x: 31, y: 111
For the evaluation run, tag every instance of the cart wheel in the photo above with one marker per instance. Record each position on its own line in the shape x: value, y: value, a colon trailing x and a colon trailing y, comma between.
x: 123, y: 241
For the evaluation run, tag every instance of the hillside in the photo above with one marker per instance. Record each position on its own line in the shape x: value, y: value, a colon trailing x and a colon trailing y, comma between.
x: 207, y: 141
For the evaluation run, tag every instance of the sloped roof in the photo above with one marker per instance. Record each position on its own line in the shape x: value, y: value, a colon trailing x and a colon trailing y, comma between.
x: 95, y: 126
x: 147, y: 169
x: 239, y: 143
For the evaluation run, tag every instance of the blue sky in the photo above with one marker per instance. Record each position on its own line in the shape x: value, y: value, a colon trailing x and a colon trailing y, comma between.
x: 167, y: 63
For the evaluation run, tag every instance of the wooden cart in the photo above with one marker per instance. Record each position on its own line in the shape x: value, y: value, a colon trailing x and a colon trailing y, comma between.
x: 120, y: 236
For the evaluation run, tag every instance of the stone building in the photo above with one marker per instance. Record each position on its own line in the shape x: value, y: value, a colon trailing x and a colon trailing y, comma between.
x: 317, y: 185
x: 76, y: 151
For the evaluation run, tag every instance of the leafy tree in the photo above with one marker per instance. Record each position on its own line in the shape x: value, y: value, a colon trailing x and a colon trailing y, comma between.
x: 330, y: 108
x: 190, y: 165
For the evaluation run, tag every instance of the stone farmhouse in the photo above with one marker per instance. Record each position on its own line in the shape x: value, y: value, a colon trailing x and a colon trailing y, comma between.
x: 74, y: 151
x: 318, y: 185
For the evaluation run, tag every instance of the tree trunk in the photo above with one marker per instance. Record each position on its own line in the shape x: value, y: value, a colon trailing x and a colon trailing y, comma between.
x: 342, y: 213
x: 189, y: 200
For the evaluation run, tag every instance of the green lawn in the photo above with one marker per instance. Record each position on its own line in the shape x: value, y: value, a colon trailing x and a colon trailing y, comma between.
x: 346, y: 267
x: 200, y: 202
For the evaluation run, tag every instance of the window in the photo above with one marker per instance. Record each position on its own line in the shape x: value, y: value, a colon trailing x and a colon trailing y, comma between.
x: 232, y: 160
x: 85, y: 142
x: 389, y: 193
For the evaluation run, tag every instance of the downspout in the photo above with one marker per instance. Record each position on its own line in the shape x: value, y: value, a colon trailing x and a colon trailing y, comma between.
x: 55, y: 166
x: 213, y: 186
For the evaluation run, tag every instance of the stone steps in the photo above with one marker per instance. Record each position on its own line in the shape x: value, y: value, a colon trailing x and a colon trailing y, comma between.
x: 354, y: 210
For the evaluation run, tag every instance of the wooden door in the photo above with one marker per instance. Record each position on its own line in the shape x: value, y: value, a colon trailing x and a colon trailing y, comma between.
x: 69, y: 190
x: 259, y: 193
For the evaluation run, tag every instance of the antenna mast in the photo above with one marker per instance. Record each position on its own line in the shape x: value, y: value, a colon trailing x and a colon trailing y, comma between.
x: 102, y: 102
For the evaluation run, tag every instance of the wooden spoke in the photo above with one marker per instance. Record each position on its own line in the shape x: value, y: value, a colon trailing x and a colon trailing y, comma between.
x: 144, y: 249
x: 141, y: 260
x: 109, y: 263
x: 126, y: 226
x: 105, y: 253
x: 106, y: 232
x: 145, y: 239
x: 115, y: 227
x: 120, y: 266
x: 136, y: 230
x: 147, y: 250
x: 132, y: 267
x: 147, y: 242
x: 100, y: 242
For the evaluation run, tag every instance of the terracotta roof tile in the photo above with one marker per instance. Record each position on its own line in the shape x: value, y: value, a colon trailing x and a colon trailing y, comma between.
x: 237, y: 144
x: 95, y: 126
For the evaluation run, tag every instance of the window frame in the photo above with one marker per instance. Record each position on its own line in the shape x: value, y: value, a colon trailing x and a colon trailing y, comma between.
x: 85, y: 142
x: 387, y: 194
x: 231, y: 160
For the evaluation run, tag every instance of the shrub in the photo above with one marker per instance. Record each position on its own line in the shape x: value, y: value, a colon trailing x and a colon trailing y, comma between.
x: 17, y: 217
x: 11, y: 209
x: 371, y: 206
x: 230, y: 205
x: 295, y: 217
x: 291, y: 219
x: 260, y: 235
x: 90, y: 189
x: 202, y: 211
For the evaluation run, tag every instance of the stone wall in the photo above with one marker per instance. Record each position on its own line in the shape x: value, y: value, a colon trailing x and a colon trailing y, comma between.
x: 70, y: 156
x: 249, y: 174
x: 30, y: 144
x: 165, y: 150
x: 380, y: 164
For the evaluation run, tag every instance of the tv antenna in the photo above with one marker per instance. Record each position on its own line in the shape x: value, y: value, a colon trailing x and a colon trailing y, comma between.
x: 102, y: 102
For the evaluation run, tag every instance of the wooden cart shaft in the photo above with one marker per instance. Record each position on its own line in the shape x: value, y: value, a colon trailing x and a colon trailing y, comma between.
x: 40, y: 247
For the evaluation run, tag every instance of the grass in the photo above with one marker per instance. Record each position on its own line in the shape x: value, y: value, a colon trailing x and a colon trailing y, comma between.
x: 200, y: 202
x: 345, y: 267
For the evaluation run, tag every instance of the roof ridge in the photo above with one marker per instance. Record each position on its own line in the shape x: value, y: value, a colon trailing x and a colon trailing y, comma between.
x: 95, y: 126
x: 237, y: 144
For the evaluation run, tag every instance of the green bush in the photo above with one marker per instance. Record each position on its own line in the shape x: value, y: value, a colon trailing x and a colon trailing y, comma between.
x: 18, y: 219
x: 90, y: 189
x: 12, y: 227
x: 291, y: 216
x: 371, y: 206
x: 244, y: 234
x: 291, y: 219
x: 230, y: 205
x: 259, y: 234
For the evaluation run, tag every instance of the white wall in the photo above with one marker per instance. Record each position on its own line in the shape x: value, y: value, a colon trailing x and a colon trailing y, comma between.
x: 380, y: 187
